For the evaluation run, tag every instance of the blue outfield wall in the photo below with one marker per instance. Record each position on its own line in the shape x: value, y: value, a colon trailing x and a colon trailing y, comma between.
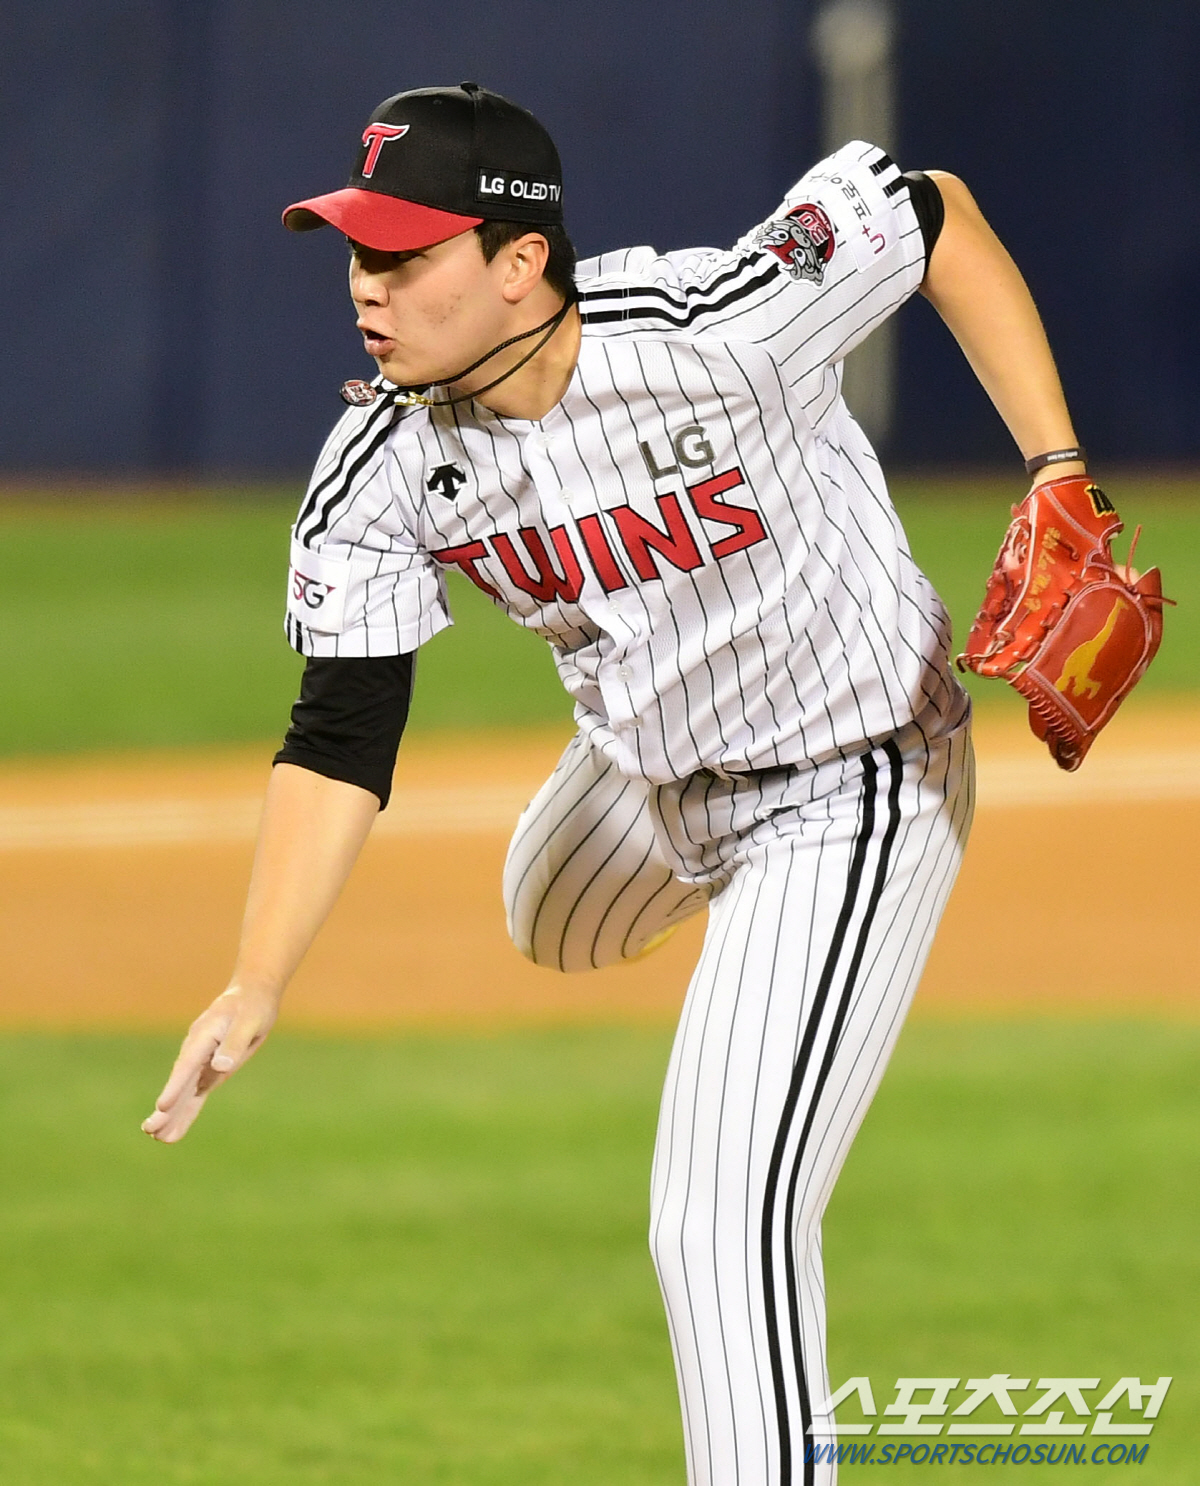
x: 157, y: 318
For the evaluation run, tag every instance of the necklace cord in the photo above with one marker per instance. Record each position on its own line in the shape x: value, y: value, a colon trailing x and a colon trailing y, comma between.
x: 411, y: 395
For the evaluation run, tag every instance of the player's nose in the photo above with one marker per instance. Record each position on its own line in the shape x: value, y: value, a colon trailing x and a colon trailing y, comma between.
x: 366, y: 289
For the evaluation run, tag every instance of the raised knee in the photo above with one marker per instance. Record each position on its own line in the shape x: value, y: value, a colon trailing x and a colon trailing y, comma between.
x: 522, y: 922
x: 520, y: 931
x: 566, y: 947
x: 544, y: 960
x: 547, y: 951
x: 574, y: 954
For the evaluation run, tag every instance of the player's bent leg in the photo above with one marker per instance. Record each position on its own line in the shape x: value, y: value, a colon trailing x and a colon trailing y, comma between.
x: 811, y: 958
x: 585, y: 883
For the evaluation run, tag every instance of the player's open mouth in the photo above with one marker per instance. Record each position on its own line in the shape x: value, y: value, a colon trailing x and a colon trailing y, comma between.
x: 375, y: 343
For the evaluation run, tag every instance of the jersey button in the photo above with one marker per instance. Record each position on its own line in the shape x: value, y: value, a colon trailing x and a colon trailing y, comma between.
x: 624, y: 673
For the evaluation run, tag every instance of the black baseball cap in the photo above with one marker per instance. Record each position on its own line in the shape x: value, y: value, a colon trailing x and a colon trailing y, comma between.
x: 436, y: 161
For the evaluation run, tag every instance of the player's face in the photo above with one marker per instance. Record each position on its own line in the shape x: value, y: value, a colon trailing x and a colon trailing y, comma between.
x: 426, y: 314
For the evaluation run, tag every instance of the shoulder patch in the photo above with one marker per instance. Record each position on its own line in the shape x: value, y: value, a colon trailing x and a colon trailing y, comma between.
x: 803, y: 241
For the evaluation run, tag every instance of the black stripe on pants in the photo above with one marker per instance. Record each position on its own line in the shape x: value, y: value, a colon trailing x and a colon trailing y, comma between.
x: 803, y: 1060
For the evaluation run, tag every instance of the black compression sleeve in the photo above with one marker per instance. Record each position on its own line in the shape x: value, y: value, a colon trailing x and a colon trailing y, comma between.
x: 348, y: 718
x: 928, y: 204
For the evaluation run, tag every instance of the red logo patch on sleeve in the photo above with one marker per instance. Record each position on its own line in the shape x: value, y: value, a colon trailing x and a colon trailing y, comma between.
x: 803, y: 241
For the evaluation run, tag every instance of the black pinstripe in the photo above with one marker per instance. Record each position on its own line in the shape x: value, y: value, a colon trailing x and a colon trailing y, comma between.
x: 687, y: 314
x: 381, y: 411
x: 791, y: 1103
x: 345, y: 489
x: 676, y: 297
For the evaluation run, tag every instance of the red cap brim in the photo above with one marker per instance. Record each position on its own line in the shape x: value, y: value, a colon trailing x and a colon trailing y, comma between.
x: 386, y: 223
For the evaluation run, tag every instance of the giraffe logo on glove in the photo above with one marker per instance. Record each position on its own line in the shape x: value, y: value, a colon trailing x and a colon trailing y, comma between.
x: 1076, y: 675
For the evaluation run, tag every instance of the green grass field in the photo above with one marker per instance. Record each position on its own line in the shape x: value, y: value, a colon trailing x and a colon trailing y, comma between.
x: 423, y: 1260
x: 134, y: 625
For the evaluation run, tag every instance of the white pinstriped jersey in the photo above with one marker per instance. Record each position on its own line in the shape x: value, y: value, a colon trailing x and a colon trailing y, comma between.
x: 698, y: 528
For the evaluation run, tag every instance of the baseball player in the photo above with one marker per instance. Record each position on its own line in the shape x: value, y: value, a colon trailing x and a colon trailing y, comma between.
x: 648, y: 461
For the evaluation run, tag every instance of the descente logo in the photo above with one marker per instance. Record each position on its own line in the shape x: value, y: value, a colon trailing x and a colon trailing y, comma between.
x: 494, y: 184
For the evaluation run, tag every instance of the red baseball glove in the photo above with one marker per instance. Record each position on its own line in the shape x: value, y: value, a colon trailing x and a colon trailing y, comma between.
x: 1060, y: 622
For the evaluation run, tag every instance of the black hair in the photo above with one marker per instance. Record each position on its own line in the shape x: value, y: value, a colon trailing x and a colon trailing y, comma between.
x: 560, y: 266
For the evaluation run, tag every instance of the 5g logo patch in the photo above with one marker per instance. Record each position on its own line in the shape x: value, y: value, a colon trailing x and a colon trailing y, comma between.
x: 310, y: 592
x: 317, y: 588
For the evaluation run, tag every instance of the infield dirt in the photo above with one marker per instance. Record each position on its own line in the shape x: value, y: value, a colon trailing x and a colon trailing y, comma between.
x: 122, y: 879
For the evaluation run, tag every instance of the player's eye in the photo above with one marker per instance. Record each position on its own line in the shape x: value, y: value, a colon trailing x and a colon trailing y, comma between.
x: 376, y: 260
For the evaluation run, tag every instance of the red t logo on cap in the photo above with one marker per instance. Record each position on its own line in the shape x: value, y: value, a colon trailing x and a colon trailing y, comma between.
x: 375, y: 136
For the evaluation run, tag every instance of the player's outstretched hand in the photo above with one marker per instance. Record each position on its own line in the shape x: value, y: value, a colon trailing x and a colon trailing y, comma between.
x: 218, y: 1042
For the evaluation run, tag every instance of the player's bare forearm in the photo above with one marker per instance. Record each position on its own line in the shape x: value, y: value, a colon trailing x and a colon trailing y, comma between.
x: 978, y: 290
x: 312, y: 831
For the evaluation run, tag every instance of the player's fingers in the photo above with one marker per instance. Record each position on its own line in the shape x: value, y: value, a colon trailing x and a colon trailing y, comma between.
x: 190, y: 1085
x: 170, y: 1118
x: 171, y: 1125
x: 243, y: 1037
x: 219, y: 1042
x: 199, y: 1045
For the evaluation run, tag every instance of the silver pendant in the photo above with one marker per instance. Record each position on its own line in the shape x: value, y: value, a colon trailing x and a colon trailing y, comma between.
x: 359, y: 394
x: 362, y: 395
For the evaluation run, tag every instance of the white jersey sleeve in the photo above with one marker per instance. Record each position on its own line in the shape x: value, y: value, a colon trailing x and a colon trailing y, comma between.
x: 359, y: 583
x: 840, y: 253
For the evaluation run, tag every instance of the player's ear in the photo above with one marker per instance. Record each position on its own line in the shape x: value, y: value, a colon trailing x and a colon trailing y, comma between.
x: 525, y: 263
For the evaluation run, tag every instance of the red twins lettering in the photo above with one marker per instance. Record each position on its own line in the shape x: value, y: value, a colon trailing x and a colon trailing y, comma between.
x: 604, y: 563
x: 466, y: 557
x: 747, y: 520
x: 676, y: 544
x: 375, y: 136
x: 547, y: 584
x: 646, y: 544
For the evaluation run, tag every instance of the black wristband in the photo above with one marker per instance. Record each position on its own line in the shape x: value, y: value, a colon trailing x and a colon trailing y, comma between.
x: 1055, y: 456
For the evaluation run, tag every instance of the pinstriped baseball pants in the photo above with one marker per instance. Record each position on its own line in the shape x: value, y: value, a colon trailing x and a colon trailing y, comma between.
x: 825, y: 884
